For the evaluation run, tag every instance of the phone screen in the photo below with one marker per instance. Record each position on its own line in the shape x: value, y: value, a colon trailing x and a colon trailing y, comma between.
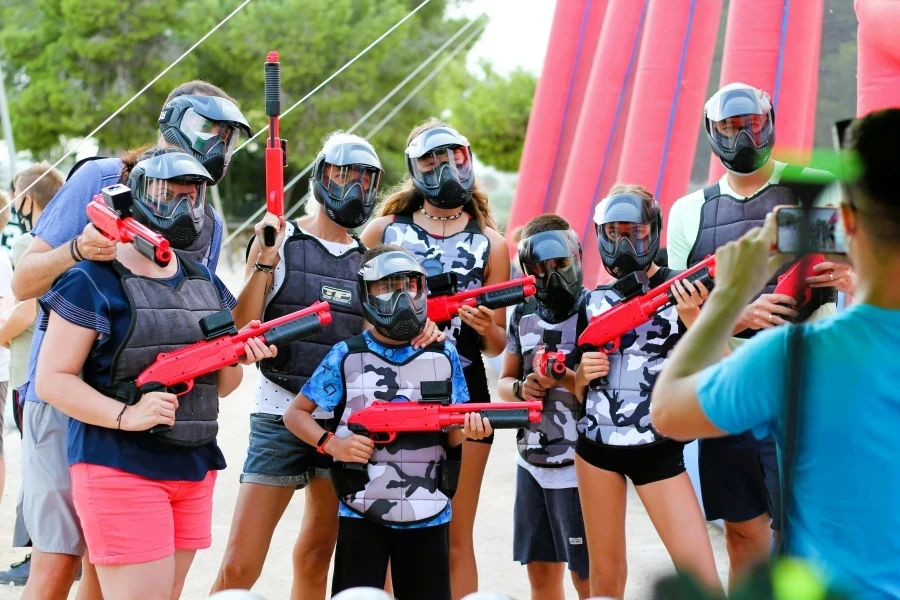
x: 825, y: 230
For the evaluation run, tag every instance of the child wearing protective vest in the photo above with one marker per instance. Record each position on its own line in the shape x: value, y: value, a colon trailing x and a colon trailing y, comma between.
x: 144, y: 498
x: 394, y: 498
x: 548, y: 526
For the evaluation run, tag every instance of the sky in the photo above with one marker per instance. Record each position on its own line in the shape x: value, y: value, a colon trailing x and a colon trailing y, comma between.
x: 516, y: 35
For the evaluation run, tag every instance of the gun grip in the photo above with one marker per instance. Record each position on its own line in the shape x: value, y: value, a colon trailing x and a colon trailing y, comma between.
x: 269, y: 234
x: 161, y: 429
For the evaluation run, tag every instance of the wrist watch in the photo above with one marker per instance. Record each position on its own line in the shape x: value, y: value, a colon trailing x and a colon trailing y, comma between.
x: 517, y: 389
x: 320, y: 446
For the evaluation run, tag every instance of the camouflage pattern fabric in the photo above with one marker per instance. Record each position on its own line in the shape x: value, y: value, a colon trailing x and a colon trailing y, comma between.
x: 550, y: 442
x: 465, y: 253
x: 403, y: 475
x: 618, y: 414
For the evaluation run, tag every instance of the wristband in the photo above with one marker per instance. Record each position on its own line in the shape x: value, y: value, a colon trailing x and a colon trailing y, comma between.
x: 73, y: 250
x: 320, y: 447
x: 517, y: 389
x: 119, y: 418
x: 264, y: 268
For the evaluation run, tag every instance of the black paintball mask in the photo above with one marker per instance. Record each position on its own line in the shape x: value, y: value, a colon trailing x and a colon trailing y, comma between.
x: 168, y: 187
x: 554, y: 258
x: 392, y: 291
x: 346, y: 175
x: 740, y: 125
x: 628, y: 231
x: 439, y: 161
x: 21, y: 218
x: 207, y: 127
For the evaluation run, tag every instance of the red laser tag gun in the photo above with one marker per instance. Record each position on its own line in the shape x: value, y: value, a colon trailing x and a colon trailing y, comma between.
x: 605, y: 331
x: 382, y: 421
x: 276, y: 148
x: 224, y: 345
x: 110, y: 212
x: 793, y: 281
x: 445, y: 300
x: 549, y: 361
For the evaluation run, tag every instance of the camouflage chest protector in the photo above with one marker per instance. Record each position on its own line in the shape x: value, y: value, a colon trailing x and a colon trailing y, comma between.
x: 165, y: 319
x: 411, y: 479
x: 724, y: 219
x: 618, y: 414
x: 199, y: 250
x: 465, y: 253
x: 550, y: 442
x: 311, y: 274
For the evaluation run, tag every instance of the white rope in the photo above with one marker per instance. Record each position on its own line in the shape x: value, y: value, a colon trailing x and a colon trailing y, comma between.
x: 124, y: 106
x: 405, y: 100
x: 252, y: 218
x: 338, y: 72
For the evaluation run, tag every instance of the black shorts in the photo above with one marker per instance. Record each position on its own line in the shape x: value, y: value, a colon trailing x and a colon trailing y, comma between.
x: 739, y: 479
x: 476, y: 381
x: 548, y: 525
x: 419, y: 558
x: 642, y: 464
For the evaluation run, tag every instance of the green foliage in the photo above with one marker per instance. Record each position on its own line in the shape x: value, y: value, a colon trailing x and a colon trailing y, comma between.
x: 494, y: 113
x: 74, y: 62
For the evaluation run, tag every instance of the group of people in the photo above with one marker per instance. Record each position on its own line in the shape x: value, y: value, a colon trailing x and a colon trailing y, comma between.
x: 124, y: 477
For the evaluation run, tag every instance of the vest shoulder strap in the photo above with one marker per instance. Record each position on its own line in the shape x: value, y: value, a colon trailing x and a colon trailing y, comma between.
x: 121, y: 270
x: 438, y: 347
x: 194, y: 270
x: 359, y: 243
x: 472, y: 226
x: 81, y: 163
x: 403, y: 218
x: 529, y: 307
x: 711, y: 191
x: 357, y: 344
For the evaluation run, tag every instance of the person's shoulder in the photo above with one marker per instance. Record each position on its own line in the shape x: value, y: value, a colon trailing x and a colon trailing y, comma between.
x: 97, y: 271
x: 687, y: 201
x: 100, y: 168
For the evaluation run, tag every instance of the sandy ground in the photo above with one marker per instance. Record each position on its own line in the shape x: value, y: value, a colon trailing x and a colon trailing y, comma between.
x: 647, y: 557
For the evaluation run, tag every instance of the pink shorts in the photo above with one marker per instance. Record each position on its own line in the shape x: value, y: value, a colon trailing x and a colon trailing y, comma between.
x: 129, y: 519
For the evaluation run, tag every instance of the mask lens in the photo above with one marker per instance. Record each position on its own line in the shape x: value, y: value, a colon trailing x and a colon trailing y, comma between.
x: 757, y: 128
x: 205, y: 134
x: 385, y: 293
x: 637, y: 234
x: 441, y: 164
x: 341, y: 181
x: 565, y: 268
x: 164, y: 196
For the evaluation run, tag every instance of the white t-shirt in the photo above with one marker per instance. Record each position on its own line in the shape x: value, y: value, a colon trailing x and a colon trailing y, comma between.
x: 6, y: 295
x: 271, y: 398
x: 552, y: 478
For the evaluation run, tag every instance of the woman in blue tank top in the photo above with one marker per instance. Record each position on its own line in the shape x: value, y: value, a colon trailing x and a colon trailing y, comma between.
x: 441, y: 216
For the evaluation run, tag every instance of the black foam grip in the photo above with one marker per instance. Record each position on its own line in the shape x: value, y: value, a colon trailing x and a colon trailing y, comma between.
x: 294, y: 331
x: 506, y: 419
x: 502, y: 298
x: 273, y: 89
x: 161, y: 429
x: 269, y: 235
x: 594, y: 385
x: 702, y: 276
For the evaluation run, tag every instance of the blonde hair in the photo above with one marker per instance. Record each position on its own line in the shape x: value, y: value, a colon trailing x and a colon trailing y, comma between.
x: 630, y: 188
x: 404, y: 198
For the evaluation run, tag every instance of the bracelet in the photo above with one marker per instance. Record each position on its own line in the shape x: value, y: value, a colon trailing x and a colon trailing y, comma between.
x: 119, y: 418
x: 77, y: 249
x: 73, y: 250
x: 320, y: 447
x: 264, y: 268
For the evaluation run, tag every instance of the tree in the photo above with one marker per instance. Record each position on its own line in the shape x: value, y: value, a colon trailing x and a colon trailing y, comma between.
x: 493, y: 113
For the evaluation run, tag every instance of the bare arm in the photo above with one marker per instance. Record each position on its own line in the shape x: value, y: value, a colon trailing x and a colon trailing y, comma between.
x: 19, y: 320
x: 299, y: 421
x: 42, y: 264
x: 372, y: 234
x: 509, y: 374
x: 252, y: 299
x: 491, y: 324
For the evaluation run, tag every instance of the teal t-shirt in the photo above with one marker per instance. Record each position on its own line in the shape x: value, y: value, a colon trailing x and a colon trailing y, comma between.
x: 846, y: 512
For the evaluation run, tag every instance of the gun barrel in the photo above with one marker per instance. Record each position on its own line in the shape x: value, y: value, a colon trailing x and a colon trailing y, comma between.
x: 322, y: 309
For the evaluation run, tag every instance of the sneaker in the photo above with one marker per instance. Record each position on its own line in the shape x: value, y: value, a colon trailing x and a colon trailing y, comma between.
x: 17, y: 574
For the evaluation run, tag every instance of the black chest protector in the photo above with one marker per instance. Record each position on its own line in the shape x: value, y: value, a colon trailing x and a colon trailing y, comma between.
x: 311, y: 274
x: 724, y: 219
x: 165, y: 319
x: 465, y: 253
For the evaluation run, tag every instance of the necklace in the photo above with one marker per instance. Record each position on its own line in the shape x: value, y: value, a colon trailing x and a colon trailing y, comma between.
x: 450, y: 218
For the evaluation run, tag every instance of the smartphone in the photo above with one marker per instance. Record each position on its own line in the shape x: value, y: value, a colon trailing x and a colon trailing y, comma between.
x: 824, y: 227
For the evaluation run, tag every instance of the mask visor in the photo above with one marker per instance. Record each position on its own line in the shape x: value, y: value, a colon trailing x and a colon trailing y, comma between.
x: 165, y: 196
x: 442, y: 164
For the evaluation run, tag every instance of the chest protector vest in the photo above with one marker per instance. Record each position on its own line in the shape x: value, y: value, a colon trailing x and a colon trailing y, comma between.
x: 409, y: 480
x: 551, y: 441
x: 165, y: 319
x: 311, y: 274
x: 618, y: 414
x: 465, y: 253
x: 724, y: 219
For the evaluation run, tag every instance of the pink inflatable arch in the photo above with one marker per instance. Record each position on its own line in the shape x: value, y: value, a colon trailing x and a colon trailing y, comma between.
x: 878, y: 63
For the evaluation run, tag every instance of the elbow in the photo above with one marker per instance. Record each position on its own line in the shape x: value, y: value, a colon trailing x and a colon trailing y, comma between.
x: 19, y: 285
x: 667, y: 422
x: 44, y: 387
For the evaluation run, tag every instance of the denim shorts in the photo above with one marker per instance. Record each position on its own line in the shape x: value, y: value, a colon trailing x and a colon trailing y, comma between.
x: 278, y: 457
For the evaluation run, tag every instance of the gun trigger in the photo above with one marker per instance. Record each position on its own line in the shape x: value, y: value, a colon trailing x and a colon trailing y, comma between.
x: 188, y: 386
x: 391, y: 436
x: 612, y: 346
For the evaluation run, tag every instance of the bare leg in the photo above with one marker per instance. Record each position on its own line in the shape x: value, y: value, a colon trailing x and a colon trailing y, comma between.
x: 463, y: 568
x: 603, y: 499
x: 89, y: 586
x: 52, y: 576
x: 675, y: 512
x: 154, y: 580
x: 315, y: 544
x: 748, y: 544
x: 546, y: 580
x: 183, y: 560
x: 258, y: 510
x: 582, y: 586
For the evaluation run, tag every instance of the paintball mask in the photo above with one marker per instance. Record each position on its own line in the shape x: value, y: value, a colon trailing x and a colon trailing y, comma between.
x: 740, y: 125
x: 207, y: 127
x: 346, y: 174
x: 439, y: 161
x: 392, y: 290
x: 554, y: 258
x: 628, y: 230
x: 169, y: 191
